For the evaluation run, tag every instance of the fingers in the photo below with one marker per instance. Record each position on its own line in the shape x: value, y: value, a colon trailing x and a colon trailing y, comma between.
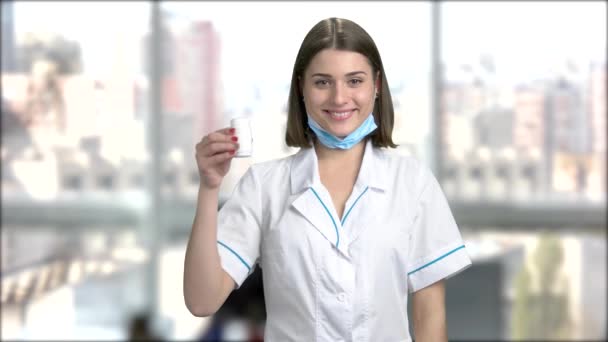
x: 227, y: 130
x: 220, y: 157
x: 213, y: 148
x: 222, y: 135
x: 218, y: 142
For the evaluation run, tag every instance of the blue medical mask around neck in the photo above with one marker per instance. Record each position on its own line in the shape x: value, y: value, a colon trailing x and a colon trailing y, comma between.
x: 331, y: 141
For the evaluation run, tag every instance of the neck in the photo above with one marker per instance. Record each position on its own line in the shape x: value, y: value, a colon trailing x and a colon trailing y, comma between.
x: 337, y: 156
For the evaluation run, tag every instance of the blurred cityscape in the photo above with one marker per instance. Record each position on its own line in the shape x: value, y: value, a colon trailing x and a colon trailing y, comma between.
x: 541, y: 138
x: 538, y: 139
x: 76, y: 162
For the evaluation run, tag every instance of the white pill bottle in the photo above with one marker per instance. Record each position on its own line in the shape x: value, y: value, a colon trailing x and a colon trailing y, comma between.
x: 242, y: 130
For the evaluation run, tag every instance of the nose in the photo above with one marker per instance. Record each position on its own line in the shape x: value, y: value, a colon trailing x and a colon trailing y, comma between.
x: 340, y: 93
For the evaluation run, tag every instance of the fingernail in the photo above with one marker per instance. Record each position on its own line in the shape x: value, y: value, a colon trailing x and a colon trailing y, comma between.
x: 234, y: 138
x: 232, y: 131
x: 231, y: 151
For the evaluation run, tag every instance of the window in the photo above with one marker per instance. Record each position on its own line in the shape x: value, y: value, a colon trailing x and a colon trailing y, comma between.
x: 523, y: 91
x: 505, y: 102
x: 73, y: 260
x: 522, y: 155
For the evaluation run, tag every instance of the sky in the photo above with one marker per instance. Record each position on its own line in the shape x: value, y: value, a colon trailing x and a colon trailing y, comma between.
x: 467, y: 25
x: 526, y: 38
x: 260, y: 39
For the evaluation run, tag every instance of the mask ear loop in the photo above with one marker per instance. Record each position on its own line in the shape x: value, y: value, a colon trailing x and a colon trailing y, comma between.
x: 375, y: 104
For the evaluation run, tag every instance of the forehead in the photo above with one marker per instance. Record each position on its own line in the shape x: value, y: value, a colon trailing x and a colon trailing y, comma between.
x: 338, y: 62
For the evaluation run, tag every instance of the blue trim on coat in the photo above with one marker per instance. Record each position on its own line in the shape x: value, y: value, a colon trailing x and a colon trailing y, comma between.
x: 237, y: 255
x: 434, y: 261
x: 352, y: 206
x: 331, y: 217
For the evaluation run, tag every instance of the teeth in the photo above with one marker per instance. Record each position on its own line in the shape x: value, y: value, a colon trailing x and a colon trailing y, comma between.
x: 340, y: 115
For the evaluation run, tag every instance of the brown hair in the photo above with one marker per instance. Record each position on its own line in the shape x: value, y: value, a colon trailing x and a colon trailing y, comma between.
x: 340, y: 34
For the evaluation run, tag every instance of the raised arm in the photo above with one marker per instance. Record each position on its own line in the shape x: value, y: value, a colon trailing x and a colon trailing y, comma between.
x: 206, y: 284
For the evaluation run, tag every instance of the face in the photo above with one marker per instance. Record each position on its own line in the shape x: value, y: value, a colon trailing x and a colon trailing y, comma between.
x: 339, y: 90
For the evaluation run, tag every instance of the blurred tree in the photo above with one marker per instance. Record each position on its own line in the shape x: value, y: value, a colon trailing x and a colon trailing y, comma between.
x: 521, y: 314
x: 64, y: 53
x: 44, y: 96
x: 544, y: 313
x: 553, y: 306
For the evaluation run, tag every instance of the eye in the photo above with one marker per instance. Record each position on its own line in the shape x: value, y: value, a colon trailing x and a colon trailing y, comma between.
x: 355, y: 81
x: 321, y: 83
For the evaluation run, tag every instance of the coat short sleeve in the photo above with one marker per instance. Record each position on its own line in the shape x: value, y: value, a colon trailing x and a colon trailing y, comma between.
x: 239, y: 229
x: 437, y: 250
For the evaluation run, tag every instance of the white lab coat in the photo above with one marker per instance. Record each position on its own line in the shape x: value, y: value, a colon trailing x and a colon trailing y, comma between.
x: 339, y: 279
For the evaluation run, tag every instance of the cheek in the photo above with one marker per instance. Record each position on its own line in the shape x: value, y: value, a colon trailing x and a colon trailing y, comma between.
x: 366, y: 100
x: 316, y: 98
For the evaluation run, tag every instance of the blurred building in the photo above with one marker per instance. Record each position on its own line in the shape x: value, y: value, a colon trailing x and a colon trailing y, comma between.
x: 191, y: 97
x: 105, y: 112
x: 198, y: 75
x: 190, y: 77
x: 461, y: 102
x: 597, y: 104
x: 559, y: 124
x: 528, y: 123
x: 9, y: 58
x: 494, y: 127
x: 568, y: 138
x: 570, y: 131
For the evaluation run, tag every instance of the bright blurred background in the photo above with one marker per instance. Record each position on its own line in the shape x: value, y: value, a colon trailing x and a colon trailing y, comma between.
x: 102, y: 103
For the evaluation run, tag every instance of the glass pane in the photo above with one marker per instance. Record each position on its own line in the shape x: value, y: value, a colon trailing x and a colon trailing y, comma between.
x: 72, y: 100
x: 524, y: 101
x: 530, y: 285
x: 70, y: 284
x: 73, y: 161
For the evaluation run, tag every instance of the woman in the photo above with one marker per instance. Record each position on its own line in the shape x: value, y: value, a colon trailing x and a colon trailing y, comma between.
x: 342, y: 230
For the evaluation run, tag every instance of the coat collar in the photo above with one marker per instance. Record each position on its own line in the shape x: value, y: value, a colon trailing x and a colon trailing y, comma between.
x: 305, y: 169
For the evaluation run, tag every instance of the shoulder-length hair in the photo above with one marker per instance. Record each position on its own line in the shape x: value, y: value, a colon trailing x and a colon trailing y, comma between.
x: 340, y: 34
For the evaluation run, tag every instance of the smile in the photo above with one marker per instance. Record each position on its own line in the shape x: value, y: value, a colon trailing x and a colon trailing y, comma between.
x: 339, y: 115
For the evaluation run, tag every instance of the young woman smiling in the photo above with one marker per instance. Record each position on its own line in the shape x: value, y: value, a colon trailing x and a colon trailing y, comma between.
x: 343, y: 231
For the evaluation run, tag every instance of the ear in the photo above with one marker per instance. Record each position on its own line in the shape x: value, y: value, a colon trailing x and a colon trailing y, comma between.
x: 378, y: 82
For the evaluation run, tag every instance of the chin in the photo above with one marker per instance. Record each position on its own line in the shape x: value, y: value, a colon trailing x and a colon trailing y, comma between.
x: 341, y: 134
x: 341, y: 130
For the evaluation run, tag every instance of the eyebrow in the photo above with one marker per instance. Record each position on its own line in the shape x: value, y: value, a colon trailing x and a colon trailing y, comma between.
x: 348, y: 75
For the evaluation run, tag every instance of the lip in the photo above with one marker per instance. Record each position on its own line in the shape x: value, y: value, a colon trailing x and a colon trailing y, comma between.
x: 351, y: 112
